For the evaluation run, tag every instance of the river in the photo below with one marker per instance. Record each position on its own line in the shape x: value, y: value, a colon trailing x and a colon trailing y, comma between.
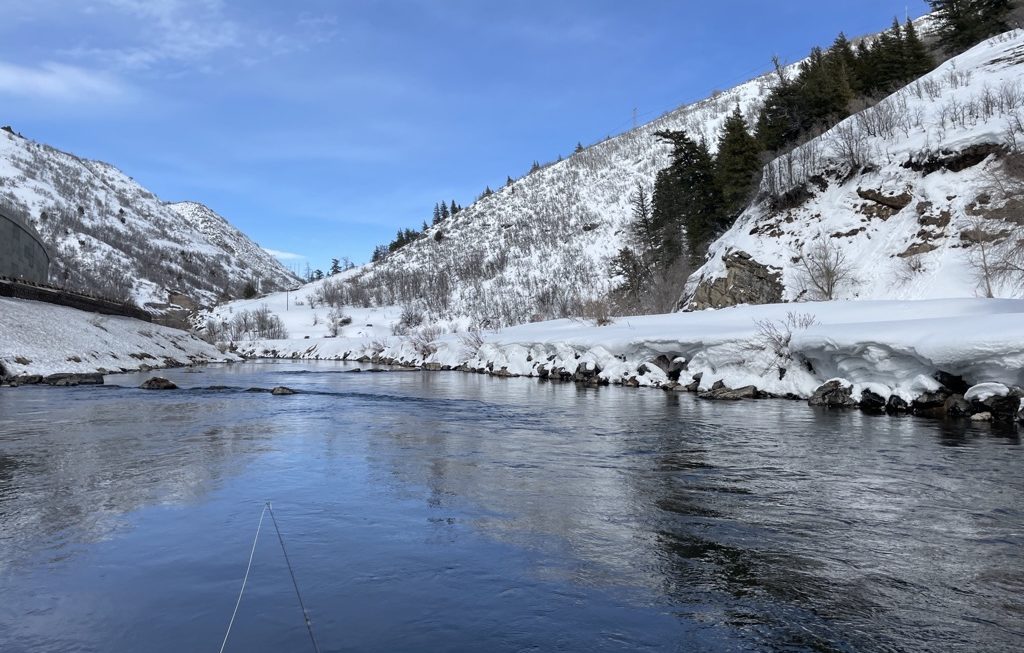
x: 457, y: 512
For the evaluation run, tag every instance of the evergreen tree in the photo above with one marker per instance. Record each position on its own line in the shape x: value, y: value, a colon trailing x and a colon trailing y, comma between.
x: 579, y: 148
x: 508, y: 181
x: 437, y: 213
x: 318, y: 274
x: 888, y: 66
x: 916, y: 60
x: 866, y: 84
x: 444, y: 212
x: 738, y: 164
x: 335, y: 267
x: 686, y: 198
x: 778, y: 123
x: 963, y: 23
x: 454, y: 208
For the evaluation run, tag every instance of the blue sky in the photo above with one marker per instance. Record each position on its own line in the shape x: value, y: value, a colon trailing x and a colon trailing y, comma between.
x: 319, y: 127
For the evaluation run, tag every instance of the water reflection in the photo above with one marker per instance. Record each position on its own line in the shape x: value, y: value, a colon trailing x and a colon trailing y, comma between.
x: 640, y: 518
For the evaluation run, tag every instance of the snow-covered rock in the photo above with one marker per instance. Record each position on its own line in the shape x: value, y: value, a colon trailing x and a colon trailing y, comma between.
x: 110, y: 236
x: 45, y: 339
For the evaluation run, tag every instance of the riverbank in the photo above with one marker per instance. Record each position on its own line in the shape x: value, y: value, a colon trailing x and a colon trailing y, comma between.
x: 41, y: 342
x: 896, y: 356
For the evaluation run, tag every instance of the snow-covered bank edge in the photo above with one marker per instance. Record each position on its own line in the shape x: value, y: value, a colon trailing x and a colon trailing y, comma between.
x: 42, y: 342
x: 894, y: 356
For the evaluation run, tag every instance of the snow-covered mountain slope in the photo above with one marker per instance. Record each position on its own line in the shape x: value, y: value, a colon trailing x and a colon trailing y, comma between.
x: 542, y: 246
x: 907, y: 197
x: 109, y: 235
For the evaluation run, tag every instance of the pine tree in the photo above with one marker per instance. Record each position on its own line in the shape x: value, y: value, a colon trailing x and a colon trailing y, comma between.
x: 737, y: 165
x: 454, y: 208
x: 778, y: 123
x: 916, y: 60
x: 888, y: 51
x: 445, y: 214
x: 686, y: 198
x: 963, y: 23
x: 508, y: 181
x: 579, y: 148
x: 335, y: 267
x: 437, y: 213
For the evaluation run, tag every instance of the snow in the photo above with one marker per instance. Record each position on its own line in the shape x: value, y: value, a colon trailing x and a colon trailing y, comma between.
x: 44, y: 339
x: 888, y: 347
x: 984, y: 391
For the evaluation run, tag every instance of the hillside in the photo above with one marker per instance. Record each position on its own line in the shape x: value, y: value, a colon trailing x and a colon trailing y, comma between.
x: 918, y: 197
x: 110, y: 236
x: 541, y: 246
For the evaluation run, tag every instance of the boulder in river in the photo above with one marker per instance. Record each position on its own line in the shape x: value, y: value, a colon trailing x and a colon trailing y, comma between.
x: 872, y: 402
x: 999, y: 401
x: 833, y: 394
x: 282, y: 390
x: 158, y: 383
x: 64, y: 379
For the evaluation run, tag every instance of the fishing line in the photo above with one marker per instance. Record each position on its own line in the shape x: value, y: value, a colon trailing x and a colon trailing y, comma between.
x: 267, y: 507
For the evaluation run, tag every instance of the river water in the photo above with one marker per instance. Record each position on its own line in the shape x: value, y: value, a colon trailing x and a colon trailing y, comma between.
x: 455, y: 512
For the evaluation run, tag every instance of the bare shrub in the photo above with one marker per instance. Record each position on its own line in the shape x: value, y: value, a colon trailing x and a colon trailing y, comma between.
x: 471, y: 342
x: 410, y: 318
x: 597, y: 311
x: 424, y: 340
x: 823, y: 268
x: 336, y: 319
x: 775, y: 336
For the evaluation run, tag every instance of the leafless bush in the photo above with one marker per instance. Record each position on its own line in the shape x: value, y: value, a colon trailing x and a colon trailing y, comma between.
x: 775, y: 336
x: 424, y: 340
x: 996, y: 255
x: 823, y: 268
x: 410, y: 318
x: 850, y: 145
x: 336, y: 319
x: 471, y: 341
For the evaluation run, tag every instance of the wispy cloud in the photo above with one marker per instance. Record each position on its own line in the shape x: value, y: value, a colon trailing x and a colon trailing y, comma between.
x: 284, y: 256
x: 61, y: 82
x: 199, y: 34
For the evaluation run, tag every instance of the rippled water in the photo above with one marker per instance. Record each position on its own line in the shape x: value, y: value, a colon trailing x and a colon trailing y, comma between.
x: 452, y: 512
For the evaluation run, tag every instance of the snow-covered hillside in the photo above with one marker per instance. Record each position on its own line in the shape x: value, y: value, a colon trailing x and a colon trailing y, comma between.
x: 109, y: 235
x: 542, y: 245
x: 908, y: 197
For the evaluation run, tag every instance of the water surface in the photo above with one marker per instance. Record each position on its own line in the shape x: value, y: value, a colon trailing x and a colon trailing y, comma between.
x: 454, y: 512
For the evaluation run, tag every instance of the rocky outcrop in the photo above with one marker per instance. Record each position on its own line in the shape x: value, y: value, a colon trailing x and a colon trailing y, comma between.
x: 745, y: 282
x: 894, y: 202
x: 282, y: 390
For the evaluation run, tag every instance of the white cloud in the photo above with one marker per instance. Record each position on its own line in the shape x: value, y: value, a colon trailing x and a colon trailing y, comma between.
x: 200, y: 33
x: 60, y: 82
x: 284, y: 256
